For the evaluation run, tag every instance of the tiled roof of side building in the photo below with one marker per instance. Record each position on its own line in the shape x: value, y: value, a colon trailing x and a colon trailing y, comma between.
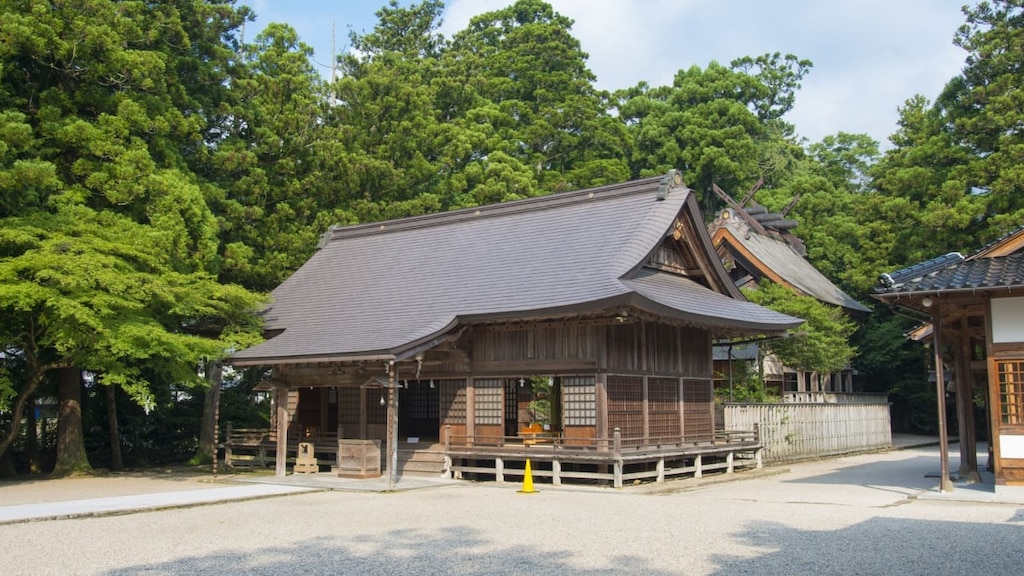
x: 377, y: 289
x: 999, y: 264
x: 979, y: 274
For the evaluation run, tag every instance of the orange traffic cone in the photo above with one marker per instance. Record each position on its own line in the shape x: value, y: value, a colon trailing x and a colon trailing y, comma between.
x: 527, y: 480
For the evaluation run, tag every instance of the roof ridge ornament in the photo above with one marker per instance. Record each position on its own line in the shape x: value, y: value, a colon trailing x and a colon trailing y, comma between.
x: 673, y: 179
x: 325, y: 238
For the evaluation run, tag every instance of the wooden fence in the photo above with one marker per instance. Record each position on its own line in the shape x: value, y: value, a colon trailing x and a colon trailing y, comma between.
x: 792, y: 431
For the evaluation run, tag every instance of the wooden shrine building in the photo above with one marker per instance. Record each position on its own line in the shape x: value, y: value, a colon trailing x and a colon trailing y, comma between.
x: 437, y: 327
x: 975, y: 309
x: 754, y: 244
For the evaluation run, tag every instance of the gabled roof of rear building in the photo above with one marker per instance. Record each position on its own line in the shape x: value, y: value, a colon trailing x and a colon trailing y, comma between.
x: 379, y: 290
x: 765, y: 254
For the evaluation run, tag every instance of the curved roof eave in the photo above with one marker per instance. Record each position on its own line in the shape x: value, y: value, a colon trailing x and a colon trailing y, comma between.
x: 712, y: 323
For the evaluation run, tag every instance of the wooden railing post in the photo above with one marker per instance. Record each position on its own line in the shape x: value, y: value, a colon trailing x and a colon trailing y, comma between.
x: 617, y: 464
x: 227, y: 445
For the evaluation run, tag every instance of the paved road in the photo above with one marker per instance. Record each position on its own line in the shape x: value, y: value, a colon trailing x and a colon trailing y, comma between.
x: 868, y: 514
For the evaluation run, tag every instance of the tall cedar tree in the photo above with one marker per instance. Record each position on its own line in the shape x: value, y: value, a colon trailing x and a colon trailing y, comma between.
x: 108, y: 245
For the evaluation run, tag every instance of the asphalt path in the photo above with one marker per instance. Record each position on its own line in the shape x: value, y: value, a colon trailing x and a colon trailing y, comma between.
x: 862, y: 515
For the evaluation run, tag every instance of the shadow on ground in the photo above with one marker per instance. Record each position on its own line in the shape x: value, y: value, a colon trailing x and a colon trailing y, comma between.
x: 881, y: 546
x: 447, y: 550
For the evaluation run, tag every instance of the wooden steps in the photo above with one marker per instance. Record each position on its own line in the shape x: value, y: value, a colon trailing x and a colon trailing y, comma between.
x: 420, y: 459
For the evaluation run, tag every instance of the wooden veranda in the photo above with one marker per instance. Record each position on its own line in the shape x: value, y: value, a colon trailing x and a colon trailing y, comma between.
x: 608, y: 460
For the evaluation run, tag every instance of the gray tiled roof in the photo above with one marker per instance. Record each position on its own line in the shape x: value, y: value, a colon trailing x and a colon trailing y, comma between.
x: 378, y: 289
x: 779, y: 257
x: 970, y: 274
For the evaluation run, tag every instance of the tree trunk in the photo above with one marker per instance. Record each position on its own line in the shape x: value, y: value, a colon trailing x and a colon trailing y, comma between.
x: 207, y: 449
x: 32, y: 437
x: 71, y: 456
x: 7, y: 469
x: 116, y: 463
x: 35, y: 379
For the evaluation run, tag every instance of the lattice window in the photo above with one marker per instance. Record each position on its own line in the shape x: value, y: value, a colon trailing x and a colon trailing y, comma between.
x: 698, y: 412
x: 579, y: 401
x: 489, y: 394
x: 453, y: 401
x: 1011, y: 391
x: 348, y: 405
x: 626, y: 406
x: 421, y: 400
x: 663, y: 404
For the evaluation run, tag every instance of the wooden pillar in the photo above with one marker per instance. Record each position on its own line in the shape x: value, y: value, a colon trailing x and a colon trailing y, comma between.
x: 363, y: 416
x: 940, y: 391
x: 281, y: 458
x: 471, y: 409
x: 392, y: 427
x: 646, y: 407
x: 227, y: 445
x: 617, y: 467
x: 644, y: 368
x: 601, y: 409
x: 965, y: 407
x: 992, y: 397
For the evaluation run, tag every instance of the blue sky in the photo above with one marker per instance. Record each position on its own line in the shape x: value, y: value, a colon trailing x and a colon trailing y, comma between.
x: 869, y: 56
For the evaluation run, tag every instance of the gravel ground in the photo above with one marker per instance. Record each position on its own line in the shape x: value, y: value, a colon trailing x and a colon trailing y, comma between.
x: 855, y: 515
x: 33, y: 490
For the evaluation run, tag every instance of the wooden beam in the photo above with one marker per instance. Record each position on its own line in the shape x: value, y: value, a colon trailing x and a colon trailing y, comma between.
x: 791, y: 205
x: 753, y: 190
x: 535, y: 366
x: 739, y: 209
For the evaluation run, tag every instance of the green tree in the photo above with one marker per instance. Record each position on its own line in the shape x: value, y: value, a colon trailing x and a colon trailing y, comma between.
x: 539, y: 95
x: 747, y: 385
x: 86, y: 290
x: 954, y: 172
x: 272, y: 178
x: 385, y: 115
x: 821, y: 343
x: 987, y: 111
x: 919, y: 183
x: 719, y: 125
x: 106, y: 108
